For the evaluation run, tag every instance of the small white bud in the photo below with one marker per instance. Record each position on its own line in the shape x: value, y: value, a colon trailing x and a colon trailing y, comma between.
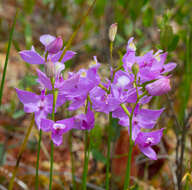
x: 50, y: 69
x: 112, y: 32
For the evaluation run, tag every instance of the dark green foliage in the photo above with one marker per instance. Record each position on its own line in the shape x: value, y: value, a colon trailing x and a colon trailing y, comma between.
x: 186, y: 83
x: 97, y: 155
x: 100, y: 8
x: 114, y: 129
x: 2, y: 154
x: 148, y: 17
x: 28, y: 6
x: 96, y: 137
x: 79, y: 1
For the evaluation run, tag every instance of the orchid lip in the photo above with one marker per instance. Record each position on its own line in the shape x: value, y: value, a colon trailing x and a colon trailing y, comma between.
x: 58, y: 126
x: 148, y: 141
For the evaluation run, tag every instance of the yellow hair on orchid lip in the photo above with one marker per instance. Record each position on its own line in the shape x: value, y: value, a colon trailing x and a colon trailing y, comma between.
x: 132, y: 46
x: 93, y: 63
x: 157, y: 57
x: 83, y: 74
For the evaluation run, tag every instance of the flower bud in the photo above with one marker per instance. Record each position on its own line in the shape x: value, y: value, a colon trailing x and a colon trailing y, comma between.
x: 50, y: 69
x: 135, y: 68
x: 58, y: 68
x: 55, y: 46
x: 159, y: 87
x: 112, y: 32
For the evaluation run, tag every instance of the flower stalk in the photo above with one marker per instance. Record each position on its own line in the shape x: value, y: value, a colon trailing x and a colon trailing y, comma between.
x: 108, y: 152
x: 128, y: 167
x: 38, y: 150
x: 72, y: 161
x: 86, y: 154
x: 86, y: 161
x: 131, y: 142
x: 52, y: 145
x: 37, y: 164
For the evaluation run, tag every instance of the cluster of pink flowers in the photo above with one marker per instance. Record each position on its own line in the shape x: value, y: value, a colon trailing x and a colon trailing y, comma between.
x: 135, y: 83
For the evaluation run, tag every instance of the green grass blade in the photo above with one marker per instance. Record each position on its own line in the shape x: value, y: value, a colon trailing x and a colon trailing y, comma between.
x: 7, y: 57
x: 185, y: 93
x: 77, y: 29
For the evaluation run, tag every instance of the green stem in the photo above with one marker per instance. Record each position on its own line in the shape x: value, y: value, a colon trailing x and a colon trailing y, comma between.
x: 7, y: 57
x: 125, y: 110
x: 111, y: 52
x: 109, y: 129
x: 86, y: 161
x: 52, y: 145
x: 186, y: 187
x: 131, y: 143
x: 128, y: 168
x: 76, y: 30
x: 51, y: 166
x: 86, y: 154
x: 72, y: 161
x: 108, y: 152
x: 37, y: 164
x: 21, y: 152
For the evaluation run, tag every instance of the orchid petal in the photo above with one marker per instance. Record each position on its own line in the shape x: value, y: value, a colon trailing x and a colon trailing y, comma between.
x: 44, y: 80
x: 46, y: 39
x: 46, y: 124
x: 31, y: 57
x: 149, y: 152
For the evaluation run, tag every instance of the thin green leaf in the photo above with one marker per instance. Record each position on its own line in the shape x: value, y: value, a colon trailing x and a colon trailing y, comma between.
x: 185, y: 88
x: 7, y: 57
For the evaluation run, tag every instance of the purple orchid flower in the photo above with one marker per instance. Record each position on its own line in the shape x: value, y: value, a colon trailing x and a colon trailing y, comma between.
x: 32, y: 57
x: 52, y: 44
x: 46, y: 39
x: 124, y: 96
x: 84, y: 121
x: 76, y: 102
x: 123, y: 79
x: 129, y: 58
x: 151, y: 66
x: 159, y: 87
x: 63, y: 86
x: 40, y: 105
x: 57, y: 128
x: 142, y: 118
x: 102, y: 101
x: 78, y: 92
x: 146, y: 140
x: 94, y: 64
x: 87, y: 81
